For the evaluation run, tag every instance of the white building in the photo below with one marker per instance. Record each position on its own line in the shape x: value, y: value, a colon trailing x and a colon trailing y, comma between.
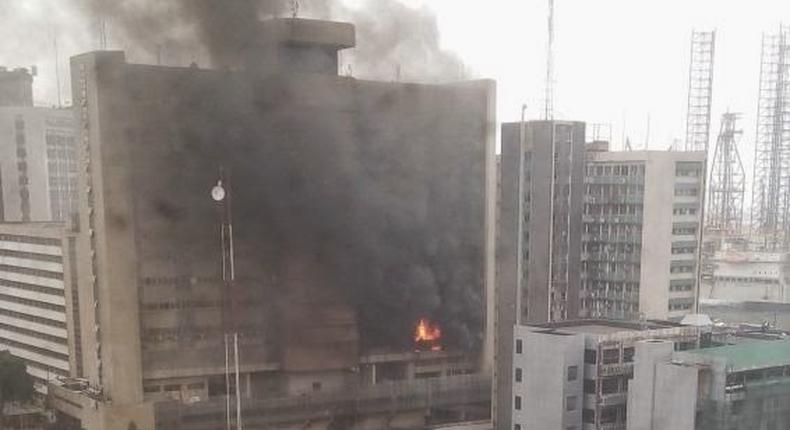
x: 38, y: 167
x: 642, y: 225
x: 36, y: 266
x: 747, y: 277
x: 574, y: 375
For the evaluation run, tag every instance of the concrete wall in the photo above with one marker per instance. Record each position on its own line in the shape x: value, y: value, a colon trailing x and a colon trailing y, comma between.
x: 642, y: 388
x: 676, y: 397
x: 155, y: 139
x: 28, y: 145
x: 545, y: 387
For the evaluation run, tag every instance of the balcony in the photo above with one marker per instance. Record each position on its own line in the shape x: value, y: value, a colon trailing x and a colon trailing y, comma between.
x: 616, y: 180
x: 613, y: 399
x: 627, y: 198
x: 613, y: 219
x: 612, y: 238
x: 616, y: 369
x: 631, y: 257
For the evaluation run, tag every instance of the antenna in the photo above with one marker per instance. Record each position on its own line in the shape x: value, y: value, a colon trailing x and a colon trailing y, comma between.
x: 57, y: 70
x: 549, y: 108
x: 102, y: 34
x: 647, y: 133
x: 294, y: 8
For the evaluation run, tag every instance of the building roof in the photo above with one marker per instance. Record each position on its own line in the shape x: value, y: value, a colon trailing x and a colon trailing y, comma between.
x: 749, y: 354
x: 604, y: 326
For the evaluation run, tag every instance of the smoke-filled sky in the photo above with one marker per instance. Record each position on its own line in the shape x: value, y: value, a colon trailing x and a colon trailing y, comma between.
x: 617, y: 61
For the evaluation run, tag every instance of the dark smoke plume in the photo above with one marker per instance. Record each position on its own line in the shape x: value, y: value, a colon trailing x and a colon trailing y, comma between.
x: 394, y: 41
x: 341, y: 204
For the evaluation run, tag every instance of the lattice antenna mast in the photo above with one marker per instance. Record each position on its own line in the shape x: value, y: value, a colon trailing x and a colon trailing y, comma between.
x: 771, y: 187
x: 548, y: 112
x: 700, y: 96
x: 727, y: 179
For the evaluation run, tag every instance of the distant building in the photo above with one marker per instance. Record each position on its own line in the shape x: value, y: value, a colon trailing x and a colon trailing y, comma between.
x: 743, y: 276
x: 16, y: 87
x: 37, y: 301
x: 575, y: 374
x: 38, y: 164
x: 744, y: 386
x: 642, y: 226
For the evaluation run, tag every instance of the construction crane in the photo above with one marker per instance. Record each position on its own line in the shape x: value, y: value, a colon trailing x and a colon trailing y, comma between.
x: 771, y: 186
x: 700, y: 94
x: 727, y: 179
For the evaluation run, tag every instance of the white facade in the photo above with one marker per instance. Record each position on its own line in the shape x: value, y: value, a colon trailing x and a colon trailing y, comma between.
x: 747, y: 277
x: 575, y: 374
x: 38, y: 167
x: 643, y: 220
x: 33, y: 298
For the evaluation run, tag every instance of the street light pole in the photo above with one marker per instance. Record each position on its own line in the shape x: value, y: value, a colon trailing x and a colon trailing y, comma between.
x: 222, y: 196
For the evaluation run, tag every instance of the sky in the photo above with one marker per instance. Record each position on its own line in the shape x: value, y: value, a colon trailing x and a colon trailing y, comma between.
x: 618, y: 62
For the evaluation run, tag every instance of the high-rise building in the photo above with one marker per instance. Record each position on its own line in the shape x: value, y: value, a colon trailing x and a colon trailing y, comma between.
x: 37, y: 299
x: 38, y: 165
x: 358, y: 209
x: 642, y: 229
x: 542, y: 179
x: 539, y: 235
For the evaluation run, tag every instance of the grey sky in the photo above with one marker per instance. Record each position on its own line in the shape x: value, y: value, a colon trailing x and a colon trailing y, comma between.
x: 617, y: 60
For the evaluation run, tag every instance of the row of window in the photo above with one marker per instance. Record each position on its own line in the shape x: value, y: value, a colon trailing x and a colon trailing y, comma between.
x: 34, y: 240
x: 684, y: 211
x: 680, y: 306
x: 742, y: 279
x: 33, y: 303
x: 32, y: 272
x: 616, y: 170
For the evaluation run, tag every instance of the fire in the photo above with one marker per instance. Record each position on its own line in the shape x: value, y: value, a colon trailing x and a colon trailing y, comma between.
x: 427, y: 335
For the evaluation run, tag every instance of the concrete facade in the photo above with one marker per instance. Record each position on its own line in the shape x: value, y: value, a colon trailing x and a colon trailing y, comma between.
x: 575, y: 374
x: 155, y: 304
x: 16, y: 87
x: 537, y: 260
x: 641, y: 234
x: 38, y: 166
x: 736, y: 276
x: 745, y: 385
x: 37, y: 299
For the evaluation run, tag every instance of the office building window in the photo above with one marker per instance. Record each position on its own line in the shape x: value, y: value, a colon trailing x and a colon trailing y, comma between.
x: 517, y: 403
x: 518, y: 374
x: 519, y: 346
x: 570, y: 403
x: 573, y: 373
x: 516, y: 426
x: 590, y: 356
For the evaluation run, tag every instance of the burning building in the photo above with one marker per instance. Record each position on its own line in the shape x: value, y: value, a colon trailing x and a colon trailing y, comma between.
x: 351, y: 210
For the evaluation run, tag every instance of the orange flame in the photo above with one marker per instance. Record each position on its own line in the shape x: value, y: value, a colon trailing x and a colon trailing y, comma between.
x: 428, y: 333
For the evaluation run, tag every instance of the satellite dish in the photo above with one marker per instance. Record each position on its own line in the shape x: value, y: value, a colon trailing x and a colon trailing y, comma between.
x: 218, y: 193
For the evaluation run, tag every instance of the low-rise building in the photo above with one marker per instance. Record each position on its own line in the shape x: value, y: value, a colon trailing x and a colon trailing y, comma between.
x: 741, y: 386
x: 574, y: 374
x: 739, y: 276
